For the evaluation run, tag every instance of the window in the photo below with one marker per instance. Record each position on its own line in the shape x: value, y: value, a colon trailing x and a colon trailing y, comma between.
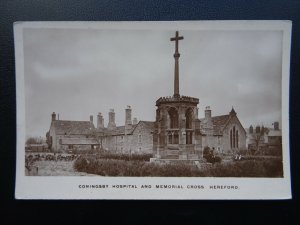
x: 140, y: 138
x: 234, y: 138
x: 230, y: 138
x: 237, y: 138
x: 173, y: 138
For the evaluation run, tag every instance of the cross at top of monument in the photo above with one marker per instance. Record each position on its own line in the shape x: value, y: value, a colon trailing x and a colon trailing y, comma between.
x: 176, y: 39
x: 176, y: 71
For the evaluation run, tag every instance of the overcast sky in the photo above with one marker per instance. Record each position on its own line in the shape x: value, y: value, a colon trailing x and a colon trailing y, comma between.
x: 80, y: 72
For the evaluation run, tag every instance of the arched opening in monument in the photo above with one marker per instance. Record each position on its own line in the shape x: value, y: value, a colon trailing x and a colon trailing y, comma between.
x: 173, y: 115
x: 188, y: 118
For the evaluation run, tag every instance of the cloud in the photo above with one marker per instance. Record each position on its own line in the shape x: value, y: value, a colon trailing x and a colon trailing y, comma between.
x: 78, y: 72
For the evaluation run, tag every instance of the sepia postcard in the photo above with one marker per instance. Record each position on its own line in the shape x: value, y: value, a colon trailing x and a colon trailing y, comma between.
x: 153, y: 110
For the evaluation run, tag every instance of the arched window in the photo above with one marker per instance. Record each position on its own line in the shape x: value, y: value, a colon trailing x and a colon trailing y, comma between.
x: 188, y: 118
x: 233, y: 137
x: 230, y: 138
x: 173, y: 118
x: 237, y: 138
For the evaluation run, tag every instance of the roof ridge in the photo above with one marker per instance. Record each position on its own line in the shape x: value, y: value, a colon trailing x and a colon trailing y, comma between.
x: 71, y: 121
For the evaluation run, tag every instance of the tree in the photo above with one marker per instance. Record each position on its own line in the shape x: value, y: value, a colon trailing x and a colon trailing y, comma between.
x: 34, y: 140
x: 258, y: 139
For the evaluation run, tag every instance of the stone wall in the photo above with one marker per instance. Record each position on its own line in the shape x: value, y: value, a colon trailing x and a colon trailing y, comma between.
x: 138, y: 142
x: 221, y: 143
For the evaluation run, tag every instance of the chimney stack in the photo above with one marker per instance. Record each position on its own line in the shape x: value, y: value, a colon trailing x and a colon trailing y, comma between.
x: 207, y: 112
x: 100, y: 121
x: 128, y: 116
x: 111, y: 116
x: 276, y: 125
x: 91, y: 118
x: 53, y: 116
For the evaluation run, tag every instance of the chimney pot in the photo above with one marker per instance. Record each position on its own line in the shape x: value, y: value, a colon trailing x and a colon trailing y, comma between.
x: 53, y: 116
x: 128, y: 120
x: 276, y: 125
x: 207, y: 112
x: 100, y: 121
x: 111, y: 117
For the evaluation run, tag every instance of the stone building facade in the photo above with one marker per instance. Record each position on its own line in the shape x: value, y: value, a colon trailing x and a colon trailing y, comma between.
x: 66, y: 135
x: 223, y: 133
x: 265, y: 140
x: 134, y: 137
x: 176, y: 133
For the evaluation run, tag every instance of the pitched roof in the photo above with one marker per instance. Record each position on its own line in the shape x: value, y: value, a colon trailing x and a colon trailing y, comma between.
x: 120, y: 130
x: 72, y: 127
x: 148, y: 124
x: 218, y: 123
x: 117, y: 131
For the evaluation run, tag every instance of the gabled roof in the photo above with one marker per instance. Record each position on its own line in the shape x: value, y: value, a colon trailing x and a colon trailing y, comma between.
x: 120, y: 130
x: 147, y: 124
x: 72, y: 127
x: 218, y: 122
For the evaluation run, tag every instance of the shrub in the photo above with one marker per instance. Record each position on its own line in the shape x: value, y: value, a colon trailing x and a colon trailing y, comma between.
x: 271, y: 167
x: 209, y: 155
x: 248, y: 168
x: 115, y: 167
x: 125, y: 157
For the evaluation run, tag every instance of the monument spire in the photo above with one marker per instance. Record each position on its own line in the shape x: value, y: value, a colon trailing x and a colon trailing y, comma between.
x: 176, y: 71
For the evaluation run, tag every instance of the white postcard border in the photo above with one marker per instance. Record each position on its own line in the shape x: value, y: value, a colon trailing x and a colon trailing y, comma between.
x: 28, y: 187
